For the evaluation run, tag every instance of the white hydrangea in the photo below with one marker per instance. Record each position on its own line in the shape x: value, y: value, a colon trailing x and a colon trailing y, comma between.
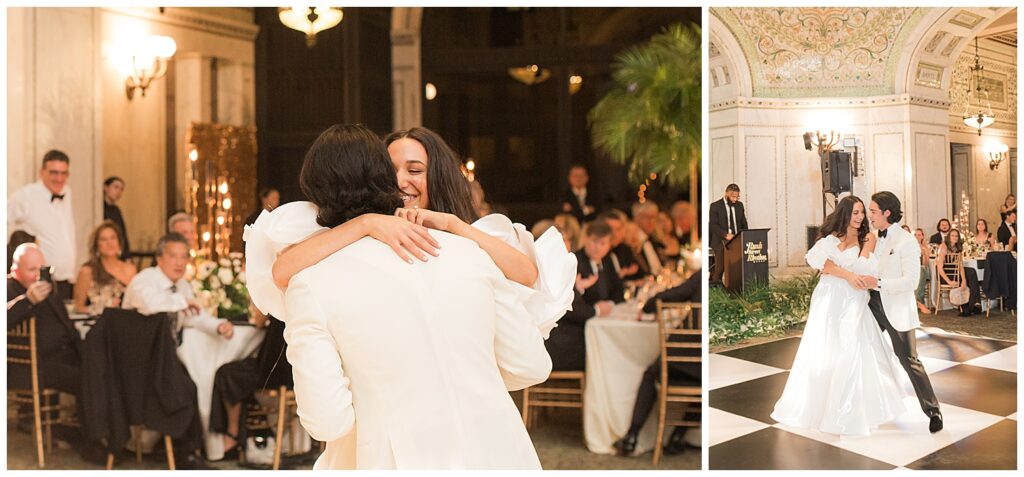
x: 241, y: 277
x: 225, y: 275
x: 205, y: 269
x: 224, y: 262
x: 214, y: 282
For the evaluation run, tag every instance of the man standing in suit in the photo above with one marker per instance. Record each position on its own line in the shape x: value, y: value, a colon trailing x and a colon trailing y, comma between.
x: 578, y: 201
x: 1007, y: 234
x: 726, y: 219
x: 941, y: 229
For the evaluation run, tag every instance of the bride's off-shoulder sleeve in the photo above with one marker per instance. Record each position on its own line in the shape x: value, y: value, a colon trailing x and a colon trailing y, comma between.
x: 824, y: 249
x: 551, y: 296
x: 264, y: 241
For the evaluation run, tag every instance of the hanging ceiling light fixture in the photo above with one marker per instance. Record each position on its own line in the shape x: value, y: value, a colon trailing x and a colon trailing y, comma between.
x: 529, y: 74
x: 310, y: 20
x: 983, y: 117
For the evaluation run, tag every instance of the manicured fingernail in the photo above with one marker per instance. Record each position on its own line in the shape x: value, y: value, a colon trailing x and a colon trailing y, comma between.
x: 409, y: 261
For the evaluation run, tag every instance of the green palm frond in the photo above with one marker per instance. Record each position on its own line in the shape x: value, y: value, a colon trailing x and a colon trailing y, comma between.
x: 651, y: 118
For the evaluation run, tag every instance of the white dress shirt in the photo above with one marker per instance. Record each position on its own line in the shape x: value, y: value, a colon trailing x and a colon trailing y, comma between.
x: 151, y: 292
x: 50, y: 221
x: 652, y: 257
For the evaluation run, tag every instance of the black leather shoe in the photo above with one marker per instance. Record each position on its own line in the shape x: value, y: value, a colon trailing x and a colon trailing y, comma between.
x: 676, y: 442
x: 626, y: 445
x: 935, y: 425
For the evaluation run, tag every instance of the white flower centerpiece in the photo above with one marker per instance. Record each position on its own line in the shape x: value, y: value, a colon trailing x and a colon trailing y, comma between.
x: 220, y: 286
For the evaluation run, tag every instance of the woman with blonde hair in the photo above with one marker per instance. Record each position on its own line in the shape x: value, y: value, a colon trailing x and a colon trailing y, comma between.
x: 570, y: 229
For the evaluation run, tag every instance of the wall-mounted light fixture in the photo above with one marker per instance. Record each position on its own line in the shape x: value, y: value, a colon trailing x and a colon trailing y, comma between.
x: 824, y: 142
x: 149, y: 62
x: 996, y: 154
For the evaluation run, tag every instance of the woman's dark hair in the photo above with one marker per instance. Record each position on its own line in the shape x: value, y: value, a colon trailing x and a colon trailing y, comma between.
x: 954, y: 248
x: 838, y: 221
x: 983, y: 221
x: 17, y: 238
x: 111, y: 180
x: 447, y: 189
x: 100, y: 275
x: 888, y: 201
x: 347, y: 173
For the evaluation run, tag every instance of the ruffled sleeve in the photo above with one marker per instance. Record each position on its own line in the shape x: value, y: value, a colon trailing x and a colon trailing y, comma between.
x: 823, y: 249
x: 552, y: 295
x: 264, y: 241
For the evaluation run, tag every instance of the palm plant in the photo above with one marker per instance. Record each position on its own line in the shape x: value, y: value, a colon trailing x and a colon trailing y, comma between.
x: 651, y: 119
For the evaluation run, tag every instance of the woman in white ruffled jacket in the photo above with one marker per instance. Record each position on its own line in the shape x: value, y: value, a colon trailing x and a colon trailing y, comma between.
x: 288, y: 240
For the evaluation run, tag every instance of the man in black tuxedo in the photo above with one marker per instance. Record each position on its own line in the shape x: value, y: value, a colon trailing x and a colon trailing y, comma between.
x: 941, y: 229
x: 1007, y: 234
x: 726, y: 218
x: 682, y: 374
x: 595, y: 294
x: 621, y: 256
x: 59, y: 343
x: 578, y: 201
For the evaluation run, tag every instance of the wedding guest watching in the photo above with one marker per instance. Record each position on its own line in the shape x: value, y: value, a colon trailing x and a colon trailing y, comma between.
x: 926, y: 271
x: 570, y: 229
x: 566, y: 344
x: 542, y: 226
x: 103, y: 279
x: 163, y: 288
x: 1010, y: 203
x: 646, y: 217
x: 622, y: 257
x: 969, y: 276
x: 578, y: 201
x: 664, y: 233
x: 682, y: 220
x: 679, y: 374
x: 1007, y: 234
x: 113, y: 187
x: 726, y: 219
x: 941, y: 230
x: 43, y: 209
x: 184, y: 224
x: 982, y: 238
x: 270, y: 198
x: 634, y: 239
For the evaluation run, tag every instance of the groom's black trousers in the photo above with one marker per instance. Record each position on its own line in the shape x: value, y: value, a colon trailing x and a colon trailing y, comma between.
x: 904, y: 343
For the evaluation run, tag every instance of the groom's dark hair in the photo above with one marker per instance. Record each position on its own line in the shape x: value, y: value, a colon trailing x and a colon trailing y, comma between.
x: 888, y: 201
x: 347, y: 172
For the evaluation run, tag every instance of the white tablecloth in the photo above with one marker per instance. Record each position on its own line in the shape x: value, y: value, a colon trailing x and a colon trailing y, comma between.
x: 202, y: 356
x: 619, y: 350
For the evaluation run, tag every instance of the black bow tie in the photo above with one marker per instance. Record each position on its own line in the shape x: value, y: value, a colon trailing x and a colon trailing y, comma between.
x: 54, y: 197
x: 881, y: 233
x: 174, y: 288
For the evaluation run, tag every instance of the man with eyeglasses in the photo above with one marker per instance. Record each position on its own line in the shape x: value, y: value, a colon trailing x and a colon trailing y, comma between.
x: 43, y: 209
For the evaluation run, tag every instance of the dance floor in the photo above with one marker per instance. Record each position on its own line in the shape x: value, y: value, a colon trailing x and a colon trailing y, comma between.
x: 975, y: 380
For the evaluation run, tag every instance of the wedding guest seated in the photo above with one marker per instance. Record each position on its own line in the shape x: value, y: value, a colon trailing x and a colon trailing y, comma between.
x: 622, y: 257
x: 984, y: 240
x: 270, y: 198
x: 184, y: 225
x: 941, y: 230
x: 682, y: 221
x: 664, y: 234
x: 954, y: 245
x: 682, y: 374
x: 926, y: 271
x: 103, y: 279
x: 1007, y: 234
x: 638, y: 248
x: 566, y: 344
x: 645, y: 216
x: 540, y: 227
x: 593, y: 260
x: 569, y: 227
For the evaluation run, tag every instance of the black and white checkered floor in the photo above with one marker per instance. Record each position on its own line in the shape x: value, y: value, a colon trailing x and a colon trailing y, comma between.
x: 975, y: 380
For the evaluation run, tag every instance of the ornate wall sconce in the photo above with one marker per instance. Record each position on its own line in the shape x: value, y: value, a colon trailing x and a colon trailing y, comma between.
x: 149, y: 62
x: 996, y: 154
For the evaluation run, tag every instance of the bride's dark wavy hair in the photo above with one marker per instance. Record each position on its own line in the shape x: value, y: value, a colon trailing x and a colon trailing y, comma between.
x: 347, y: 172
x: 447, y: 189
x: 838, y: 221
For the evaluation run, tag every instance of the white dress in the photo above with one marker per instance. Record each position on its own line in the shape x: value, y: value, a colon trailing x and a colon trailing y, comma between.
x: 845, y: 379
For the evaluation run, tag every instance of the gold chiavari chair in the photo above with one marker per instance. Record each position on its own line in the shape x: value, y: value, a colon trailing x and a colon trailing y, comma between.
x: 562, y: 389
x: 954, y: 266
x: 680, y: 320
x: 22, y: 350
x: 259, y: 419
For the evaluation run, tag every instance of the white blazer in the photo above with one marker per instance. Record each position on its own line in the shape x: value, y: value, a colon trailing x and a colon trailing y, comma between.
x: 408, y: 366
x: 899, y: 269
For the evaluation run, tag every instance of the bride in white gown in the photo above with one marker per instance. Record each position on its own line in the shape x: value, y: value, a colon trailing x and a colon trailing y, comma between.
x: 845, y: 379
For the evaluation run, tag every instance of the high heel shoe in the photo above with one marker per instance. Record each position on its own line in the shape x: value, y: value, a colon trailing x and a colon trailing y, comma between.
x: 626, y: 445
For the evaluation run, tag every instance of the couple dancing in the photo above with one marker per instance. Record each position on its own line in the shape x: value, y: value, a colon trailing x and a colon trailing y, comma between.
x: 399, y: 363
x: 845, y: 379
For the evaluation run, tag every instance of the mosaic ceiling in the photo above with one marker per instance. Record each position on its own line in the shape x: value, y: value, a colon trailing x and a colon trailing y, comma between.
x: 814, y: 52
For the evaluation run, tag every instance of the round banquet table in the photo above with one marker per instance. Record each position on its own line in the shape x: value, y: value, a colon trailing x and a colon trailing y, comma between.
x: 619, y: 349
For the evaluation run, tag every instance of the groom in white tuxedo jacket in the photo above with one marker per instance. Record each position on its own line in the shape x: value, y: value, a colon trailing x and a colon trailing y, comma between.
x: 892, y: 296
x: 404, y: 365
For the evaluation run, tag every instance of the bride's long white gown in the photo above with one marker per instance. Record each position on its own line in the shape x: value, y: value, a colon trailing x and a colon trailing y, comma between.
x: 845, y: 379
